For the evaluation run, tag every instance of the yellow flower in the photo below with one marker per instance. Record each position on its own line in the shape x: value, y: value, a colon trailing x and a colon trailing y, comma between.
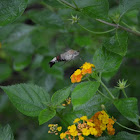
x: 68, y: 101
x: 72, y: 128
x: 87, y: 65
x: 62, y: 135
x: 84, y: 118
x: 50, y: 125
x: 85, y: 131
x: 76, y: 76
x: 93, y: 131
x: 87, y: 68
x: 103, y: 126
x: 104, y: 113
x: 77, y: 72
x: 105, y: 120
x: 90, y: 124
x: 80, y: 138
x: 76, y: 120
x: 75, y: 133
x: 59, y: 128
x: 103, y: 117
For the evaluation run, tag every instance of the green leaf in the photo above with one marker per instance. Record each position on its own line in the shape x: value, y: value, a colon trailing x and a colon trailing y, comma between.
x: 125, y: 136
x: 94, y: 8
x: 117, y: 43
x: 60, y: 95
x: 45, y: 115
x: 11, y: 10
x: 68, y: 115
x: 3, y: 101
x: 83, y: 92
x: 47, y: 18
x: 17, y: 39
x: 120, y: 136
x: 128, y: 107
x: 106, y: 61
x: 93, y: 105
x: 5, y: 71
x: 23, y: 45
x: 127, y: 5
x: 6, y: 133
x: 27, y: 98
x: 15, y: 32
x: 53, y: 3
x: 21, y: 61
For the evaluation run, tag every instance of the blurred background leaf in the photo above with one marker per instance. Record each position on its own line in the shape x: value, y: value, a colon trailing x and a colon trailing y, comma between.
x: 30, y: 41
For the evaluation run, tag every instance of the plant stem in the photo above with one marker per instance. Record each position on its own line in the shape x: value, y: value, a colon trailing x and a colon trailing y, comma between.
x: 59, y: 115
x: 103, y: 95
x: 124, y: 93
x: 47, y: 6
x: 65, y: 3
x: 127, y: 127
x: 119, y: 26
x: 75, y: 4
x: 129, y: 27
x: 96, y: 32
x: 107, y: 90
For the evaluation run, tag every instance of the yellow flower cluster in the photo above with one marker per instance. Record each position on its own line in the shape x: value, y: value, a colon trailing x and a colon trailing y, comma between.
x: 67, y: 102
x: 85, y: 127
x: 86, y: 68
x: 54, y: 128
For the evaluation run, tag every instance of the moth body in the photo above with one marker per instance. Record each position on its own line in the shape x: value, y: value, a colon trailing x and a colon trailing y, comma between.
x: 66, y: 56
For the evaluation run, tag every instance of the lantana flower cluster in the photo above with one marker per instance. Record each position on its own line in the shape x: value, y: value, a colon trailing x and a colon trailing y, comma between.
x: 94, y: 126
x: 86, y: 68
x: 54, y: 128
x: 67, y: 102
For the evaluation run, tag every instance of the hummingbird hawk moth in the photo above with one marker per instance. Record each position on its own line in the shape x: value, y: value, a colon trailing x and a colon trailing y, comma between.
x: 66, y: 56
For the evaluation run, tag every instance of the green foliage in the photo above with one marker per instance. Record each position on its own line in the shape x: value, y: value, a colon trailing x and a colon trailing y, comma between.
x: 45, y: 115
x: 6, y: 133
x: 120, y: 136
x: 83, y: 93
x: 47, y: 18
x: 106, y: 61
x: 28, y: 99
x: 94, y: 8
x: 117, y: 43
x: 128, y: 107
x: 5, y: 72
x: 11, y: 10
x: 105, y: 32
x: 60, y: 95
x: 126, y: 5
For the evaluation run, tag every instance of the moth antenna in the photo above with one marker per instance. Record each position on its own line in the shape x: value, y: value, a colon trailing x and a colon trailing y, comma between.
x: 51, y: 64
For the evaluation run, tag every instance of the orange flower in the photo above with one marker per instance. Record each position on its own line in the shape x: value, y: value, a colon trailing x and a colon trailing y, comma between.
x: 110, y: 129
x: 76, y: 76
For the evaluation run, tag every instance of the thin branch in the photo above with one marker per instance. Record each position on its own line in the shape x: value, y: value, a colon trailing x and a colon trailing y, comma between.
x: 103, y: 95
x: 67, y: 4
x: 119, y: 26
x: 124, y: 93
x: 75, y: 4
x: 107, y: 90
x: 96, y: 32
x: 127, y: 127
